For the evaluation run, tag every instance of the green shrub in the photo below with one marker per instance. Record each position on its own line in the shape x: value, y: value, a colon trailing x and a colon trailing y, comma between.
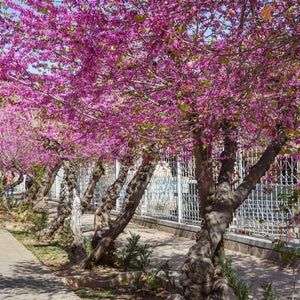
x: 87, y: 240
x: 141, y: 260
x: 137, y: 257
x: 127, y: 254
x: 40, y: 220
x: 240, y: 289
x: 268, y: 291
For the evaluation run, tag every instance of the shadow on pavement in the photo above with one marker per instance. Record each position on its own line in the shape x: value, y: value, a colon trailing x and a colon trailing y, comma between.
x: 31, y: 278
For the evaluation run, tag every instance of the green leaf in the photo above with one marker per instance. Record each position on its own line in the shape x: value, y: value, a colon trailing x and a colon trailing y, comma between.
x: 225, y: 61
x: 184, y: 107
x: 207, y: 84
x: 181, y: 29
x: 139, y: 19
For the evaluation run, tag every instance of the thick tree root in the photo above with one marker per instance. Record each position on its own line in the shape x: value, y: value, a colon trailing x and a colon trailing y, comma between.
x: 77, y: 282
x: 175, y: 297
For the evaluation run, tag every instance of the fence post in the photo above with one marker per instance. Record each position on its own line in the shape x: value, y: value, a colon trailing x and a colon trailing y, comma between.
x: 59, y: 175
x: 179, y: 191
x: 117, y: 174
x: 144, y: 203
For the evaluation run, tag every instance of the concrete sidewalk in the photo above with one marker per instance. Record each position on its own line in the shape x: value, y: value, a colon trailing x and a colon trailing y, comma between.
x: 24, y: 277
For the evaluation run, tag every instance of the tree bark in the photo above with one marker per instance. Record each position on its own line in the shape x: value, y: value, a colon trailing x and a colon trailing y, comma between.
x: 3, y: 191
x: 68, y: 206
x: 77, y: 243
x: 79, y: 206
x: 50, y: 181
x: 63, y: 210
x: 108, y: 201
x: 41, y: 196
x: 88, y: 196
x: 134, y: 193
x: 200, y: 278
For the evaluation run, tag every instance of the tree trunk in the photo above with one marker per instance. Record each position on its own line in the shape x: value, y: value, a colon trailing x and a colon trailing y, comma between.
x: 78, y: 207
x: 63, y: 210
x: 50, y: 181
x: 4, y: 200
x: 134, y: 193
x: 200, y: 278
x: 88, y: 196
x: 67, y: 209
x: 32, y: 194
x: 77, y: 243
x: 3, y: 191
x: 68, y: 205
x: 41, y: 197
x: 108, y: 201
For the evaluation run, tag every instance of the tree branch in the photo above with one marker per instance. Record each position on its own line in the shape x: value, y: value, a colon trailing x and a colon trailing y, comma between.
x: 228, y: 158
x: 260, y: 168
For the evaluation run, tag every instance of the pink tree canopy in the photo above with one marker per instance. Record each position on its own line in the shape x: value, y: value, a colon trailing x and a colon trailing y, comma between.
x: 145, y: 71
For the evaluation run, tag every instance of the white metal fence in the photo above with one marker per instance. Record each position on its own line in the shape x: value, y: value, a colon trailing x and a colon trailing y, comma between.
x: 172, y: 195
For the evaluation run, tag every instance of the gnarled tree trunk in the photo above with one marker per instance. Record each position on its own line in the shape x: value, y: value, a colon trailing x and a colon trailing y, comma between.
x: 79, y: 206
x: 200, y: 278
x: 72, y: 206
x: 41, y: 196
x: 3, y: 190
x: 134, y: 193
x: 63, y: 210
x: 77, y: 243
x: 108, y: 201
x: 88, y: 196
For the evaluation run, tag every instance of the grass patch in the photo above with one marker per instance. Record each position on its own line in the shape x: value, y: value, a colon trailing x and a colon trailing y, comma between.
x: 108, y: 292
x: 111, y: 276
x: 50, y: 251
x: 20, y: 234
x: 89, y: 294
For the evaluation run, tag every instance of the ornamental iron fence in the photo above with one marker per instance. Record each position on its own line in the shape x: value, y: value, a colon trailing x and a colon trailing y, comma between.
x: 172, y: 195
